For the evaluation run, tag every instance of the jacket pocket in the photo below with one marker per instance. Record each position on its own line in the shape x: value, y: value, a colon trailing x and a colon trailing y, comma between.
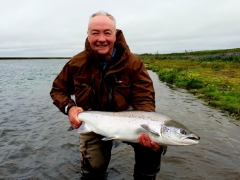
x: 84, y: 95
x: 121, y: 97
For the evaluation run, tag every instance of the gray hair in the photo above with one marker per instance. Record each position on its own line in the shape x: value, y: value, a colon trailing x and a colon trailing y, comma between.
x: 103, y: 13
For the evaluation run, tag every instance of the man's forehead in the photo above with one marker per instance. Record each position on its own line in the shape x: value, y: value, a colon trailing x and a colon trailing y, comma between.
x: 97, y: 29
x: 103, y: 21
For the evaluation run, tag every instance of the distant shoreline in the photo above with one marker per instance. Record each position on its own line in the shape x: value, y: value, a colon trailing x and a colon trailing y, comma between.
x: 204, y: 54
x: 34, y: 58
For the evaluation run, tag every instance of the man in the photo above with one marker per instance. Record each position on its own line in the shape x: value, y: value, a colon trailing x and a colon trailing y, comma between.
x: 106, y: 76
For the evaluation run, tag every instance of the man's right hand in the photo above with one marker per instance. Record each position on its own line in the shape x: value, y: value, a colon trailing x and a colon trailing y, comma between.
x: 73, y: 116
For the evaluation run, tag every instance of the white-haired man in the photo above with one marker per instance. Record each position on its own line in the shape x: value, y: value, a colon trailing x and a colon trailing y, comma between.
x: 106, y: 76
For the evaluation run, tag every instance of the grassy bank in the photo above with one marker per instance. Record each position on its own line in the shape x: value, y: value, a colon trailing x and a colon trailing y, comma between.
x: 211, y: 75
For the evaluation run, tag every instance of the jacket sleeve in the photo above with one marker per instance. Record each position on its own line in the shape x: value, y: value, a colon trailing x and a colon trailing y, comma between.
x: 142, y: 90
x: 62, y: 89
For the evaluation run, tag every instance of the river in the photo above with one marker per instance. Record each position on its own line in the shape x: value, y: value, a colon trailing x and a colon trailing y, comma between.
x: 35, y: 143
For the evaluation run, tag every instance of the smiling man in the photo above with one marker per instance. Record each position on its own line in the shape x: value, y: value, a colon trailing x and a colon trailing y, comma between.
x: 106, y: 76
x: 102, y: 35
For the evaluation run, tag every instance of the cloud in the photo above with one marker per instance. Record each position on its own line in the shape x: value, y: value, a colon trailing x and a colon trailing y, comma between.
x: 58, y: 27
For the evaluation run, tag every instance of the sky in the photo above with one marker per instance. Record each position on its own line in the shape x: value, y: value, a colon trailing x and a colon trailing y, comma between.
x: 50, y: 28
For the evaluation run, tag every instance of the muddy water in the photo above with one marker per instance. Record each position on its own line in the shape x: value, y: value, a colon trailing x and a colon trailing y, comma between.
x: 35, y: 143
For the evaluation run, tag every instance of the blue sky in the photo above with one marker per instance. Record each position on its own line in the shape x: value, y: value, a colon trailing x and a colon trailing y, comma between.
x: 59, y: 27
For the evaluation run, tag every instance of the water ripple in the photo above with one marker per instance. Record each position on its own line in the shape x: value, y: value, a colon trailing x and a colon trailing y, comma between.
x: 35, y: 143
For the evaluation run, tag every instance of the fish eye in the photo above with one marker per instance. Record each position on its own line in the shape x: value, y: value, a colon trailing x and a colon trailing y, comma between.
x: 182, y: 131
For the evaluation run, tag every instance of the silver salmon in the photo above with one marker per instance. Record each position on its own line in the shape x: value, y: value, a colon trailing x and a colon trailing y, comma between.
x: 128, y: 125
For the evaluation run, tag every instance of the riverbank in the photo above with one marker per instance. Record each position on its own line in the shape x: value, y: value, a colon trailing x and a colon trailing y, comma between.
x: 213, y: 76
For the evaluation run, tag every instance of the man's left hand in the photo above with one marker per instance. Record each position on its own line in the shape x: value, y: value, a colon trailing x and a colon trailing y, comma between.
x: 144, y: 140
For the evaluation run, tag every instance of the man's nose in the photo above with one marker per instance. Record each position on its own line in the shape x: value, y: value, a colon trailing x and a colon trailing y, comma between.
x: 101, y: 37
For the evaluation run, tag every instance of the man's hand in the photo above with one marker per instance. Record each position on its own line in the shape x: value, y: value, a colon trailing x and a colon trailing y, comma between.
x: 73, y: 116
x: 144, y: 140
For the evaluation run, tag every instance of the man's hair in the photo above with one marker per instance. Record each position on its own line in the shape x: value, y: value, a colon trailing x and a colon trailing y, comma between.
x: 104, y: 13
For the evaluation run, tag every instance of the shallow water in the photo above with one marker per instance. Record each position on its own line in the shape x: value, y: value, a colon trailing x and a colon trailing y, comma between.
x: 35, y: 143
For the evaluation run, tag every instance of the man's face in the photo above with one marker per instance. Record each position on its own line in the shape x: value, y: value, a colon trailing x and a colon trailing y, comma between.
x: 102, y: 35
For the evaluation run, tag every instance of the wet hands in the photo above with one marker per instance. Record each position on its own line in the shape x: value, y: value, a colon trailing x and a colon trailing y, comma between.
x: 73, y: 116
x: 144, y: 140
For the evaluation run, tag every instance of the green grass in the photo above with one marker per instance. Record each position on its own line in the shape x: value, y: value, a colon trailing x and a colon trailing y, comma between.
x: 216, y: 80
x: 232, y: 55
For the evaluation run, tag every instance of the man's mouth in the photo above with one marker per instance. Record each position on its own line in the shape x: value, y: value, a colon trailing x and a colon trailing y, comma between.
x: 101, y: 45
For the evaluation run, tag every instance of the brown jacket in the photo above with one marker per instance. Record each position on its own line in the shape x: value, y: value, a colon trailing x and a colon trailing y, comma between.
x: 124, y: 83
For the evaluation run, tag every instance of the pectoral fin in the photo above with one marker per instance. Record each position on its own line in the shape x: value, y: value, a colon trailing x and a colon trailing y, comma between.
x: 84, y: 128
x: 150, y: 129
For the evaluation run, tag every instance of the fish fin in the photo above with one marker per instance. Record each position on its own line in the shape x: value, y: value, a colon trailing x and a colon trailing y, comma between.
x: 164, y: 149
x: 70, y: 128
x: 107, y: 139
x: 116, y: 143
x: 148, y: 128
x: 84, y: 128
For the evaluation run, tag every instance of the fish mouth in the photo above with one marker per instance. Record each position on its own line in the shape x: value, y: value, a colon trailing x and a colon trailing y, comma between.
x: 194, y: 138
